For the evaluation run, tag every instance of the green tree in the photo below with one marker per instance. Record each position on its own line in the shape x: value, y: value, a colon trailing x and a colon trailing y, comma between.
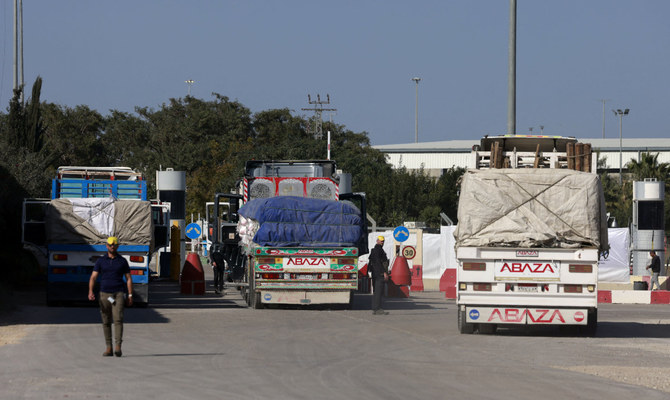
x: 23, y: 173
x: 73, y: 135
x: 448, y: 187
x: 648, y: 167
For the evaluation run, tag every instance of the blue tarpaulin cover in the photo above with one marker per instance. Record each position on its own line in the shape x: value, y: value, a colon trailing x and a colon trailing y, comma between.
x: 287, y: 221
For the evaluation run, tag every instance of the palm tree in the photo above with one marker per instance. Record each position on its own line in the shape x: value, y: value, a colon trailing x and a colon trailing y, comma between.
x: 648, y: 167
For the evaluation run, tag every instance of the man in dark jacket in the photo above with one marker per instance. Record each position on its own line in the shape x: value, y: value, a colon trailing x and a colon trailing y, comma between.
x: 655, y: 266
x: 114, y: 293
x: 378, y: 265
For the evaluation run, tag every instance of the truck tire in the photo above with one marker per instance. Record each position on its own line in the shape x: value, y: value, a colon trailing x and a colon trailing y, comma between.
x: 591, y: 326
x: 254, y: 297
x: 244, y: 291
x: 488, y: 329
x: 464, y: 327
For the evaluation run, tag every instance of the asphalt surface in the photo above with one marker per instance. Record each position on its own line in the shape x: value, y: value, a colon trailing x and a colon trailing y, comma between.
x: 213, y: 347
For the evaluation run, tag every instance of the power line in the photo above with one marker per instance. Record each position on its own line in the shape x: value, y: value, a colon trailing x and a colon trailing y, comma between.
x: 316, y: 128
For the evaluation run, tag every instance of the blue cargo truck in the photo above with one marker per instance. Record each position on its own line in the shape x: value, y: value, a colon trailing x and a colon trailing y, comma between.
x: 87, y: 205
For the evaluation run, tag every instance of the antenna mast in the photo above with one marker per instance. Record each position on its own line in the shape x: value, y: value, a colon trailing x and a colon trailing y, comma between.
x: 316, y: 128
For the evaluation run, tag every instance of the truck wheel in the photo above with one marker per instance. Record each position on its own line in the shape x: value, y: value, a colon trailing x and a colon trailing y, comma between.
x: 591, y: 325
x: 463, y: 326
x: 254, y: 297
x: 244, y: 291
x: 350, y: 305
x: 487, y: 329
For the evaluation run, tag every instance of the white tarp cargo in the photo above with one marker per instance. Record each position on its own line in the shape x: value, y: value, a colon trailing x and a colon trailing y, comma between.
x: 531, y: 208
x: 92, y: 220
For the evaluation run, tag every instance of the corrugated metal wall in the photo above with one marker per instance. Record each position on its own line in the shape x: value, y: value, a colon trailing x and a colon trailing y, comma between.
x: 434, y: 162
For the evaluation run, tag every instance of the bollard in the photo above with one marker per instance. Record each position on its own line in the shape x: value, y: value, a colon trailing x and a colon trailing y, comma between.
x: 401, y: 278
x: 192, y: 279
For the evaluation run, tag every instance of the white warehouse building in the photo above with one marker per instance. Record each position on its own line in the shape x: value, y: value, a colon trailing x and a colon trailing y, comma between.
x: 435, y: 157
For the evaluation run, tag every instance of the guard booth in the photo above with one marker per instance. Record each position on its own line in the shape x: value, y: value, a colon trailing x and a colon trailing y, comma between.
x: 648, y: 227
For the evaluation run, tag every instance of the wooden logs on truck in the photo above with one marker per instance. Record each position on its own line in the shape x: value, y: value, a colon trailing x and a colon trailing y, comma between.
x: 579, y: 156
x: 576, y: 156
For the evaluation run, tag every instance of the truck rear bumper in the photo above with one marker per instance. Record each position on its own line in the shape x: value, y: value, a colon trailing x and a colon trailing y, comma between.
x: 305, y: 297
x: 562, y: 300
x: 526, y: 315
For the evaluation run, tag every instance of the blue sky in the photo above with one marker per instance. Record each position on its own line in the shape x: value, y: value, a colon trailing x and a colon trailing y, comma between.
x: 363, y: 53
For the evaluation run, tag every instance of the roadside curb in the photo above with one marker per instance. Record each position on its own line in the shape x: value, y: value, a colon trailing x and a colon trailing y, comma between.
x: 634, y: 296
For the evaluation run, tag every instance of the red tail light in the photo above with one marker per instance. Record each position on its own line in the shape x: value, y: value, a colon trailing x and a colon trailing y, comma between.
x: 482, y: 287
x: 341, y: 276
x: 59, y: 271
x: 60, y: 257
x: 472, y: 266
x: 136, y: 272
x: 587, y: 268
x: 137, y: 259
x: 572, y: 288
x: 269, y: 275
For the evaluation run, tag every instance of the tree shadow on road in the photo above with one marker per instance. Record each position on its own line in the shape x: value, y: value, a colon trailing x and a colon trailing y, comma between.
x: 605, y: 330
x: 633, y: 330
x: 166, y: 294
x: 30, y: 307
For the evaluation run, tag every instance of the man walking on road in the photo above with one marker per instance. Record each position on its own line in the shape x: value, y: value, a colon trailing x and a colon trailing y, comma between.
x: 378, y: 264
x: 112, y: 268
x: 655, y: 266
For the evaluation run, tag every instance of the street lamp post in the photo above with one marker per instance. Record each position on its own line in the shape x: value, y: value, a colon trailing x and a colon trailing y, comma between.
x: 189, y: 82
x: 416, y: 111
x: 620, y: 113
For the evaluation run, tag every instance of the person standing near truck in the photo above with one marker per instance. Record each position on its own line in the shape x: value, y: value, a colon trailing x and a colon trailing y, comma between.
x: 112, y: 268
x: 218, y: 267
x: 655, y: 266
x: 378, y: 264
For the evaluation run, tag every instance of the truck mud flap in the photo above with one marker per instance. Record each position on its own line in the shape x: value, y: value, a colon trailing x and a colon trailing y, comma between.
x: 529, y: 316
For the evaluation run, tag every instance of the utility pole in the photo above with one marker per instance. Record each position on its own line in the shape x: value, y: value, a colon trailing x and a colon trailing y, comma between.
x: 416, y: 110
x: 511, y: 77
x: 604, y: 101
x: 18, y: 47
x: 620, y: 113
x: 317, y: 129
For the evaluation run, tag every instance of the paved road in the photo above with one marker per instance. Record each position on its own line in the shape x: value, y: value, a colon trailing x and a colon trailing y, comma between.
x: 211, y: 347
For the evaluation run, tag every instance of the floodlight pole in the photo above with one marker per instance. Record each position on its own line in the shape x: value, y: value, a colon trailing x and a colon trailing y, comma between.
x: 619, y: 112
x: 416, y: 110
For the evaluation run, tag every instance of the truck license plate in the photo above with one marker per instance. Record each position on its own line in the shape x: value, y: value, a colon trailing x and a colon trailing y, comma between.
x: 527, y: 289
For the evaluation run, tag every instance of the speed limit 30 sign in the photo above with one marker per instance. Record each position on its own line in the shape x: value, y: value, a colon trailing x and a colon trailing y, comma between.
x: 409, y: 252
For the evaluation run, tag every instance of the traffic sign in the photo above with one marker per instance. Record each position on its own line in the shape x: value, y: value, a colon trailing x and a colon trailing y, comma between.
x: 193, y: 230
x: 409, y: 252
x: 401, y: 234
